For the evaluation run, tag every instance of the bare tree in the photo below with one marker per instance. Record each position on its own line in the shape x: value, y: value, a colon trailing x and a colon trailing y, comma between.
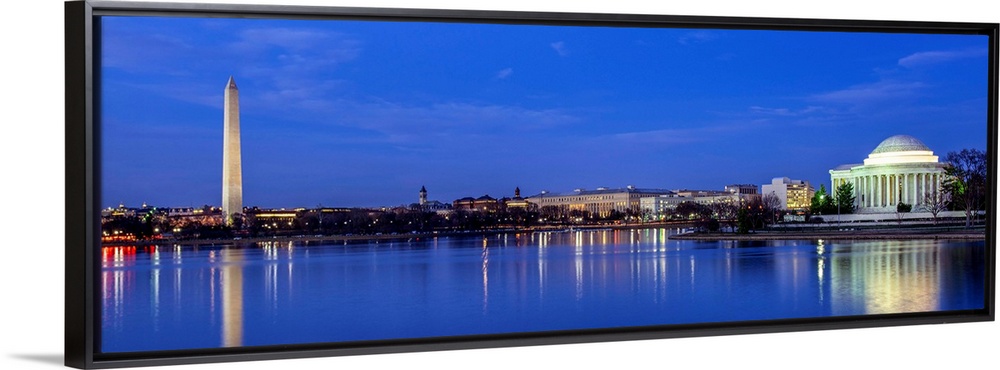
x: 965, y: 181
x: 772, y: 204
x: 935, y: 202
x: 726, y: 211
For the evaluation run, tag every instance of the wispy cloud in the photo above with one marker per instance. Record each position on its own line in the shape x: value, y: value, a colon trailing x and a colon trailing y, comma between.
x: 297, y: 39
x: 159, y: 52
x: 294, y: 51
x: 871, y: 92
x: 396, y: 123
x: 786, y: 112
x: 504, y: 73
x: 293, y: 93
x: 667, y: 136
x: 772, y: 111
x: 695, y: 37
x: 925, y: 58
x: 703, y: 133
x: 560, y: 48
x: 289, y: 67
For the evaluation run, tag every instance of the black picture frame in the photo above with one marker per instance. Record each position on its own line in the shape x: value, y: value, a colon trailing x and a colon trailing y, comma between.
x: 83, y: 180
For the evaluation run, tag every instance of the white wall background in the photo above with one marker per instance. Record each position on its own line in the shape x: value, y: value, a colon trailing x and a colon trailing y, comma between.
x: 31, y: 263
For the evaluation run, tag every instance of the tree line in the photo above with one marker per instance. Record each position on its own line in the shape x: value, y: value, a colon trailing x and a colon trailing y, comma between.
x: 964, y: 188
x: 737, y: 216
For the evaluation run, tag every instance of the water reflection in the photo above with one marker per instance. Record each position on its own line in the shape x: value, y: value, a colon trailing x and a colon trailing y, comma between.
x: 486, y: 275
x: 886, y: 277
x: 116, y: 283
x: 274, y: 293
x: 232, y: 298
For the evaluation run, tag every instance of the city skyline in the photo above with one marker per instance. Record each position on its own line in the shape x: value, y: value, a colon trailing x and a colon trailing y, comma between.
x: 365, y: 113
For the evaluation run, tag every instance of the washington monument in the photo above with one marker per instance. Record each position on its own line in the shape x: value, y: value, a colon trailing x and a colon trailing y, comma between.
x: 232, y: 170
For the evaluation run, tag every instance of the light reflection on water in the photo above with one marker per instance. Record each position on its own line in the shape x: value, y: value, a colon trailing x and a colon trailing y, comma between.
x: 174, y: 297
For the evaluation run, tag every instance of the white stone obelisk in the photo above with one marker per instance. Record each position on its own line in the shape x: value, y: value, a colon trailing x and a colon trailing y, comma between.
x: 232, y: 167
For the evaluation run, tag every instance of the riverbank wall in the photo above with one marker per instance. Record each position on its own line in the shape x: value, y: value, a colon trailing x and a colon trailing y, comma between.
x: 847, y: 234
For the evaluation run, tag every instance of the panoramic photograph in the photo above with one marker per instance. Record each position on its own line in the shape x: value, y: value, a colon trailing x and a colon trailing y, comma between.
x: 272, y: 182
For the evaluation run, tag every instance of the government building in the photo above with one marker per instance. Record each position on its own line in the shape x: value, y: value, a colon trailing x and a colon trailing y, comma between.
x: 900, y: 170
x: 600, y: 202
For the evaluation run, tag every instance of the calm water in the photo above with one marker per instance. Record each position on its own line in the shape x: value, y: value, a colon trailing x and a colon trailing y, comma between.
x: 174, y: 297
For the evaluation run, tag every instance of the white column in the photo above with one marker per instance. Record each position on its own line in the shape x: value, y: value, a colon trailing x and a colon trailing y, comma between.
x: 930, y: 183
x: 935, y: 182
x: 899, y: 188
x: 868, y: 189
x: 884, y: 185
x: 888, y: 189
x: 890, y: 199
x: 862, y: 195
x: 922, y: 186
x: 857, y: 191
x: 879, y: 183
x: 903, y: 194
x: 923, y: 183
x: 895, y: 192
x: 910, y: 190
x: 907, y: 191
x: 861, y: 191
x: 871, y: 190
x: 874, y: 191
x: 894, y: 188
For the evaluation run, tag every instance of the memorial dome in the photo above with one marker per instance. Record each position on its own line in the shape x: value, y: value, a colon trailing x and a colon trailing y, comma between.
x: 901, y: 149
x: 900, y: 143
x: 902, y: 169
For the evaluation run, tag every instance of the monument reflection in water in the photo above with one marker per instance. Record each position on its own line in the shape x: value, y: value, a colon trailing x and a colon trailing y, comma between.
x: 182, y: 297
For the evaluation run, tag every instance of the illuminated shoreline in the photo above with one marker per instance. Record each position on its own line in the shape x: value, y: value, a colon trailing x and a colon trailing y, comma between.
x: 847, y: 234
x: 881, y: 234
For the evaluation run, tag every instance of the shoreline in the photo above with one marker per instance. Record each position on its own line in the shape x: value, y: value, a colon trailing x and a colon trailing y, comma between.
x: 862, y: 234
x: 878, y: 234
x: 263, y: 239
x: 337, y: 238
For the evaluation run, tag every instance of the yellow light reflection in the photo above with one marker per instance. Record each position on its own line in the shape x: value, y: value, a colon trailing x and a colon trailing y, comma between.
x: 880, y: 277
x: 232, y: 298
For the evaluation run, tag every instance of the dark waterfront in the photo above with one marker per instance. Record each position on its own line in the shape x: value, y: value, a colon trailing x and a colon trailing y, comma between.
x: 179, y: 297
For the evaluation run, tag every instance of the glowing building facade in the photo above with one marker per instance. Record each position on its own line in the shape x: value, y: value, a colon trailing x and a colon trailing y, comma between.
x: 900, y: 170
x: 598, y: 202
x: 793, y: 195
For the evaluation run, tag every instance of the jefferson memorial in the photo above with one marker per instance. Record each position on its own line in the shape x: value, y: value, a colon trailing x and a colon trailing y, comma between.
x: 900, y: 170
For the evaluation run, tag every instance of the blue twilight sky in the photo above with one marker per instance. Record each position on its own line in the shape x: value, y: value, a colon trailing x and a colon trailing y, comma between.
x: 348, y: 113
